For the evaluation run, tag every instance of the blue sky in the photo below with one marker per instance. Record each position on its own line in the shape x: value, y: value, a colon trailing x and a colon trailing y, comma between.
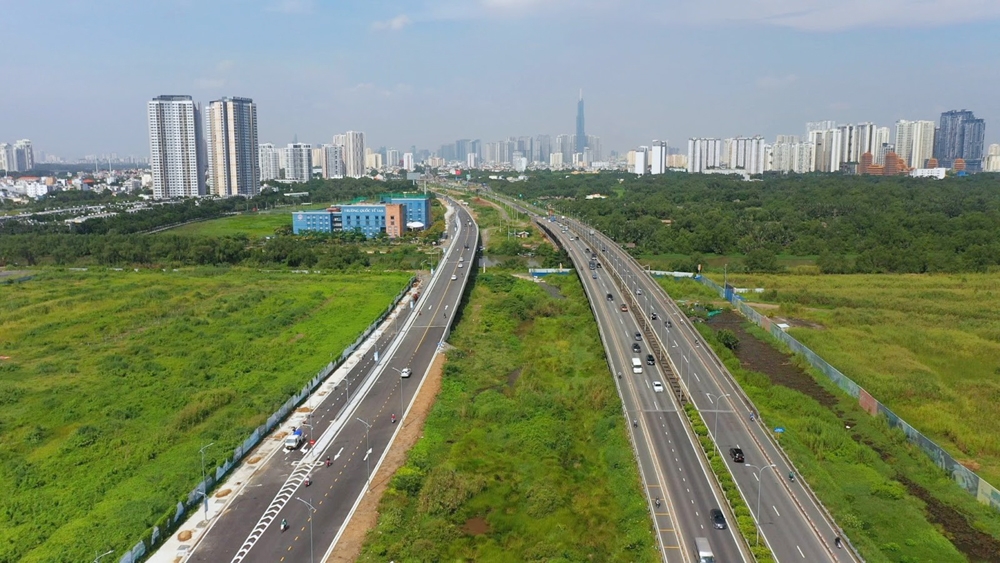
x: 77, y: 73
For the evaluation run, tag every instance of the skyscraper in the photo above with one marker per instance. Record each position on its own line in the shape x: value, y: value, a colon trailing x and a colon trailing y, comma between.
x: 354, y: 154
x: 177, y: 147
x: 299, y: 165
x: 658, y: 157
x: 233, y: 157
x: 704, y: 154
x: 961, y: 135
x: 24, y: 156
x: 270, y: 162
x: 915, y: 142
x: 333, y: 161
x: 6, y: 157
x: 581, y: 134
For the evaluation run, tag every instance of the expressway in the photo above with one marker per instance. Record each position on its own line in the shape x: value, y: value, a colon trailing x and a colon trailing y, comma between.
x: 353, y: 433
x: 670, y: 461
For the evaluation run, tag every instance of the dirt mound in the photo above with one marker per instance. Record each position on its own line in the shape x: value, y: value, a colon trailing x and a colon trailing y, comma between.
x: 764, y: 358
x: 223, y: 493
x: 253, y: 460
x: 184, y: 535
x: 476, y: 526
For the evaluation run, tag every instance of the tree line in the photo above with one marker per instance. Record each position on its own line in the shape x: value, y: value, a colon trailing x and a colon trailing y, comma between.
x: 848, y: 223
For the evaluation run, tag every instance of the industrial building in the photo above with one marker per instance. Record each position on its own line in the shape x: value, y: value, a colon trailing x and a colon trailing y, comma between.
x: 394, y: 215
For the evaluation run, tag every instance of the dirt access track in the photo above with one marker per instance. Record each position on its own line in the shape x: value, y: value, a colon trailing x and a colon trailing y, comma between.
x: 366, y: 516
x: 781, y: 369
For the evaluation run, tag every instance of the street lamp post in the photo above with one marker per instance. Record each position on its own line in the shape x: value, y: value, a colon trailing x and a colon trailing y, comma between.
x: 715, y: 429
x: 309, y: 437
x: 400, y: 396
x: 760, y: 485
x: 204, y: 485
x: 368, y: 444
x: 313, y: 511
x: 98, y: 558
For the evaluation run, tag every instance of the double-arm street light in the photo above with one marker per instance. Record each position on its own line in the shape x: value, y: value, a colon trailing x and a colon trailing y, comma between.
x: 760, y: 485
x: 715, y: 430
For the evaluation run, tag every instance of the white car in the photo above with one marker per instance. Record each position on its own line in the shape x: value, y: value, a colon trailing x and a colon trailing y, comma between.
x: 658, y: 387
x: 638, y: 292
x: 405, y: 373
x: 454, y: 277
x: 461, y: 265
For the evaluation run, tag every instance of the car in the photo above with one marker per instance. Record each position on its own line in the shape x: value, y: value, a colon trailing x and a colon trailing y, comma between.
x: 586, y: 251
x: 650, y: 360
x: 594, y: 275
x: 624, y: 308
x: 461, y: 265
x: 636, y: 348
x: 406, y: 372
x: 611, y: 297
x: 638, y: 336
x: 638, y: 292
x: 653, y: 316
x: 657, y: 387
x: 454, y: 277
x: 466, y: 247
x: 718, y: 519
x: 599, y: 265
x: 667, y: 323
x: 736, y: 454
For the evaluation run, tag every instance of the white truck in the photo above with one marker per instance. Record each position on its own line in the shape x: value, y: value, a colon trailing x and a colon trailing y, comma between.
x: 636, y: 365
x: 294, y: 440
x: 704, y: 551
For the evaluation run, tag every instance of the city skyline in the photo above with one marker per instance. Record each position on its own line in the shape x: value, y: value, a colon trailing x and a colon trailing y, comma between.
x: 331, y: 85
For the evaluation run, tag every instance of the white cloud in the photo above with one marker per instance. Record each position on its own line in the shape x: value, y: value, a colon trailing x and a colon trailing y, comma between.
x: 395, y: 24
x: 292, y: 6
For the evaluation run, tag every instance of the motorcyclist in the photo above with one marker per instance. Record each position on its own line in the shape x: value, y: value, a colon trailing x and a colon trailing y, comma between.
x: 284, y: 524
x: 328, y: 461
x: 657, y: 502
x: 394, y: 418
x: 791, y: 476
x: 635, y: 423
x: 836, y: 542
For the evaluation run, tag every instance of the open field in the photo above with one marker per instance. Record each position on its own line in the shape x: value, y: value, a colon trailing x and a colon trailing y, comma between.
x: 252, y: 224
x: 115, y: 379
x: 525, y: 455
x: 928, y: 346
x: 893, y: 503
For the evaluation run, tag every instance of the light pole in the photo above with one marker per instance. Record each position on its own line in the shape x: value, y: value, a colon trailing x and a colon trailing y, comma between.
x: 313, y: 511
x: 715, y: 430
x: 204, y: 485
x: 98, y: 558
x: 368, y: 451
x: 760, y: 485
x: 309, y: 437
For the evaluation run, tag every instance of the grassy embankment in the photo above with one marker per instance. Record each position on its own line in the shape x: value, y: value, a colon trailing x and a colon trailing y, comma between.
x: 525, y: 455
x: 894, y: 504
x: 115, y: 379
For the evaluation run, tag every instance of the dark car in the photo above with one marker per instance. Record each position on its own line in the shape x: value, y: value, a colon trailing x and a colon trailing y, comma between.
x: 611, y: 297
x: 667, y: 323
x: 638, y: 336
x: 718, y: 519
x: 736, y: 454
x: 466, y: 247
x: 599, y: 265
x: 635, y: 348
x: 653, y: 316
x: 650, y: 360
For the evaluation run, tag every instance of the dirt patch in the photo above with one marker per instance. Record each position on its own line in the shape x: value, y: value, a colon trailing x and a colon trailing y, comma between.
x: 296, y: 338
x: 476, y: 526
x: 253, y: 460
x: 761, y: 357
x: 366, y: 516
x: 513, y: 376
x: 223, y: 493
x: 303, y: 409
x: 184, y: 535
x: 553, y: 291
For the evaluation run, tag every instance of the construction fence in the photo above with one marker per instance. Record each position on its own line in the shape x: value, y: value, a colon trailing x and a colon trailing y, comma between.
x: 195, y: 498
x: 967, y: 479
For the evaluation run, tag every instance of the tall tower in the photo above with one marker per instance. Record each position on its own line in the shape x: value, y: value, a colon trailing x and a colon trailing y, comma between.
x: 233, y: 153
x: 581, y: 134
x: 177, y: 147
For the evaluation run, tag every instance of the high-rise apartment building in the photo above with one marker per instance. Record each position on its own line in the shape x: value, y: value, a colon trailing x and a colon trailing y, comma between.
x: 658, y: 157
x: 820, y: 126
x: 270, y: 162
x: 392, y: 159
x: 641, y: 160
x: 233, y: 157
x: 298, y: 167
x: 704, y: 154
x: 408, y: 163
x: 177, y: 147
x: 747, y: 153
x: 543, y: 149
x: 961, y: 135
x: 992, y: 163
x: 581, y: 134
x: 24, y: 156
x: 915, y: 142
x: 354, y: 153
x: 7, y: 157
x: 880, y: 140
x: 594, y: 144
x: 333, y: 161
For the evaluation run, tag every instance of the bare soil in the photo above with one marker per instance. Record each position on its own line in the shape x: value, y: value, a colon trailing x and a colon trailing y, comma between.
x: 552, y: 291
x: 184, y: 535
x: 781, y: 369
x: 366, y: 516
x: 476, y: 526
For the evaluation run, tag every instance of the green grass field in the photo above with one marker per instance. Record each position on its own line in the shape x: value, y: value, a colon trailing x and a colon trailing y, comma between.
x: 927, y: 346
x: 526, y: 437
x: 115, y: 379
x: 251, y: 224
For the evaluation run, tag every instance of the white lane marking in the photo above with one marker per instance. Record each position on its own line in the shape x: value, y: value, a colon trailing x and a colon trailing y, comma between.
x: 800, y: 551
x: 775, y: 510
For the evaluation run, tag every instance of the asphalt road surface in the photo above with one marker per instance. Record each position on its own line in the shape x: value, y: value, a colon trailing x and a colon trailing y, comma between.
x: 249, y: 529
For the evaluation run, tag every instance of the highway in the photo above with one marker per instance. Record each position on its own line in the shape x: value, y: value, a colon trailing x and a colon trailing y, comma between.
x: 791, y: 519
x: 671, y: 464
x: 353, y: 434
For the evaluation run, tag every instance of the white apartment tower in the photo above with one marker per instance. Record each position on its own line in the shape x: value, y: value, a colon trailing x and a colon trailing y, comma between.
x: 333, y: 161
x: 233, y: 151
x: 177, y: 147
x: 408, y: 162
x: 299, y: 166
x: 915, y: 141
x: 703, y: 154
x: 270, y: 162
x: 6, y: 158
x: 354, y: 153
x: 24, y: 156
x: 658, y: 157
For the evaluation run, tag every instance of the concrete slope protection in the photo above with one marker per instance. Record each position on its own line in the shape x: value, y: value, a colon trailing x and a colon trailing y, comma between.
x: 317, y: 488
